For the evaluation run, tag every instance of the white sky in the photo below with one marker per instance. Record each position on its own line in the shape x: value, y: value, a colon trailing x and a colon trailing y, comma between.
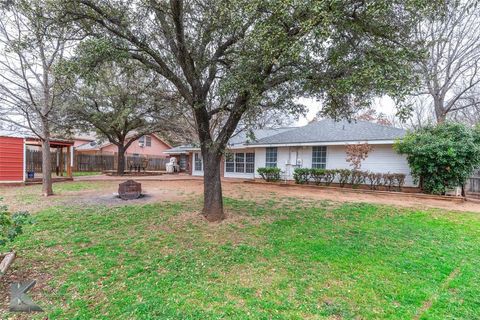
x: 384, y: 105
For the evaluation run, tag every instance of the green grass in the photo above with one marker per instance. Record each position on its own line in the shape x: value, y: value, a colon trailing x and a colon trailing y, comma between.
x: 85, y: 173
x: 31, y: 195
x: 279, y: 259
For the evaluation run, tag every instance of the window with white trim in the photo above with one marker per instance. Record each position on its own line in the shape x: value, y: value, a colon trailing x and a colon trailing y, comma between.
x: 198, y: 162
x: 229, y: 162
x: 240, y: 162
x: 249, y: 162
x: 145, y: 141
x: 271, y: 157
x: 319, y: 157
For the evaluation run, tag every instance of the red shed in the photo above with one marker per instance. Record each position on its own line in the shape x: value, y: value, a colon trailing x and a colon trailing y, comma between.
x: 13, y: 160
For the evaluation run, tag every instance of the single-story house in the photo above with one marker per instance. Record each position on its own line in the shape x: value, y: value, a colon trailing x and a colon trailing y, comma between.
x: 148, y: 145
x: 15, y: 162
x: 320, y: 144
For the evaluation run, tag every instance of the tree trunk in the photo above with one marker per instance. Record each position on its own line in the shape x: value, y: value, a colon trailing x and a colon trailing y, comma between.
x: 121, y: 160
x: 440, y: 112
x: 47, y: 189
x: 212, y: 195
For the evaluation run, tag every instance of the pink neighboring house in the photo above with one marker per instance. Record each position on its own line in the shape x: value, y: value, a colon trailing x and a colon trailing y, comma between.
x: 150, y: 145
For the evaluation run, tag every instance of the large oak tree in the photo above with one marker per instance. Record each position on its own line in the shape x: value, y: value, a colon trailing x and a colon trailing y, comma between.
x: 120, y: 99
x: 227, y: 59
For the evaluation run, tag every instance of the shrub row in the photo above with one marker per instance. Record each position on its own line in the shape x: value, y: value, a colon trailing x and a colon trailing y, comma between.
x: 269, y: 174
x: 391, y: 181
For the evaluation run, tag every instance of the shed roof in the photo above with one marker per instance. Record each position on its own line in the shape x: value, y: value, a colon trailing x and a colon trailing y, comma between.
x: 33, y: 138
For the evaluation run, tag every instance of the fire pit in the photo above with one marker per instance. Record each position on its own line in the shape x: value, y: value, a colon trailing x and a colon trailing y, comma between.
x: 130, y: 190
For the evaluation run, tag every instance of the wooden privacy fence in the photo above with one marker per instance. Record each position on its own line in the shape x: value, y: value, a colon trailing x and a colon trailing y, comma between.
x: 108, y: 162
x: 34, y: 160
x: 473, y: 183
x: 93, y: 162
x: 154, y: 163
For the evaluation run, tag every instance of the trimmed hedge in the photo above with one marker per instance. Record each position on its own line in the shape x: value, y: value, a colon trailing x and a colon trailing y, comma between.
x: 301, y: 175
x: 391, y: 181
x: 269, y: 174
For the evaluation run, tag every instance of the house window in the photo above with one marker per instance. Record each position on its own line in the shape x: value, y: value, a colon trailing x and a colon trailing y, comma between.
x: 271, y: 157
x: 229, y: 162
x: 145, y: 141
x: 198, y: 162
x: 250, y: 162
x: 319, y: 157
x: 240, y: 162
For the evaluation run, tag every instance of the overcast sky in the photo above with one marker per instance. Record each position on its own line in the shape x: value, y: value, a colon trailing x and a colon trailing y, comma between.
x: 384, y: 105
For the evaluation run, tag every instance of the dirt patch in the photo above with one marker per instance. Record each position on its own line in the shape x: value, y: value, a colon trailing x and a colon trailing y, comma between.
x: 26, y: 198
x: 252, y: 191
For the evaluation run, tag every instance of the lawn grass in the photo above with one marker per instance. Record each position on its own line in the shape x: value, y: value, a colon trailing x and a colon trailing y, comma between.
x: 85, y: 173
x: 278, y: 259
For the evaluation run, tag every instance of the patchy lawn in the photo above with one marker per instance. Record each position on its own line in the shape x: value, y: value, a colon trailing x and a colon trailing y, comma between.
x: 271, y: 259
x: 86, y: 173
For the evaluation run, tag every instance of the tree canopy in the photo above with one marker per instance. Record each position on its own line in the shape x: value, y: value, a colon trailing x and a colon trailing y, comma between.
x: 118, y: 98
x: 232, y: 60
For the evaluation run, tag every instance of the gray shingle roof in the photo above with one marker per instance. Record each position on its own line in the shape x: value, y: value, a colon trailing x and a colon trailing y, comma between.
x: 238, y: 140
x: 92, y: 145
x: 331, y: 131
x: 180, y: 149
x: 258, y: 134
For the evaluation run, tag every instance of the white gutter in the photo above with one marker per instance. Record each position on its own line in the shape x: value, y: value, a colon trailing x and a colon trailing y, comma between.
x: 296, y: 144
x: 176, y: 152
x: 306, y: 144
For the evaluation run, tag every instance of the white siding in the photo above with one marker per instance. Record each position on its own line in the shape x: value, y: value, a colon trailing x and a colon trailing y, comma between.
x: 381, y: 159
x: 287, y: 159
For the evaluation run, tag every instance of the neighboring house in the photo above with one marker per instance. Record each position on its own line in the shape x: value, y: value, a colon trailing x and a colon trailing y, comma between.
x: 148, y: 145
x: 319, y: 144
x: 81, y: 139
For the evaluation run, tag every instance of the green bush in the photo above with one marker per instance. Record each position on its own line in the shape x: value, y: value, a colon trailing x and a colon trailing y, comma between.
x: 330, y: 175
x: 318, y: 175
x: 441, y: 157
x: 11, y: 225
x: 269, y: 174
x: 301, y: 175
x: 343, y: 176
